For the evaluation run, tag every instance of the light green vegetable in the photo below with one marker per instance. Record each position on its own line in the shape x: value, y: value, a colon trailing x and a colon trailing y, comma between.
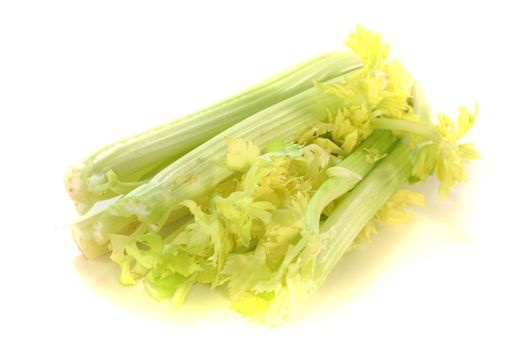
x: 358, y: 166
x: 126, y: 164
x: 270, y: 205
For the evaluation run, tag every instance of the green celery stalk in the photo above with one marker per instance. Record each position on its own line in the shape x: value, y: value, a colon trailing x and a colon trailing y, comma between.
x: 336, y: 186
x: 126, y: 164
x: 201, y: 169
x: 359, y: 206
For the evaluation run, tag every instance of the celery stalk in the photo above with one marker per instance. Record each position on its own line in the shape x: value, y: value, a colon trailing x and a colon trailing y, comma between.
x: 409, y: 126
x: 336, y: 186
x: 200, y: 170
x: 118, y: 168
x: 359, y: 206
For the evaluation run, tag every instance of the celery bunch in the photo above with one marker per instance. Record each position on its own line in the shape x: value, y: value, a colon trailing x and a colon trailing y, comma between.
x: 268, y: 190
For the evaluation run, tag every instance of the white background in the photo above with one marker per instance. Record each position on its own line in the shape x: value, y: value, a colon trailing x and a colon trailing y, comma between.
x: 77, y: 75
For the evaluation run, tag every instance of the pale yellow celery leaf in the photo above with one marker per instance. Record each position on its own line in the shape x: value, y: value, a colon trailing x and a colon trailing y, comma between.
x: 276, y: 242
x: 317, y: 130
x: 161, y: 284
x: 307, y: 137
x: 270, y: 180
x: 252, y: 305
x: 244, y: 271
x: 399, y: 78
x: 237, y: 220
x: 288, y: 286
x: 364, y: 237
x: 174, y: 270
x: 147, y: 260
x: 115, y: 185
x: 373, y: 155
x: 284, y: 228
x: 241, y: 153
x: 179, y: 296
x: 126, y: 276
x: 425, y: 162
x: 446, y: 127
x: 394, y: 210
x: 350, y: 142
x: 209, y: 274
x: 251, y: 181
x: 394, y: 103
x: 360, y: 117
x: 342, y: 90
x: 182, y: 263
x: 272, y: 303
x: 343, y: 126
x: 466, y: 120
x: 173, y: 266
x: 368, y: 46
x: 148, y: 255
x: 468, y: 152
x: 135, y: 262
x: 164, y: 267
x: 315, y: 161
x: 360, y: 91
x: 382, y: 89
x: 328, y: 145
x: 270, y: 170
x: 266, y: 308
x: 139, y: 271
x: 449, y: 170
x: 196, y: 238
x: 238, y: 212
x: 118, y: 245
x: 225, y: 188
x: 153, y: 241
x: 446, y: 158
x: 281, y: 176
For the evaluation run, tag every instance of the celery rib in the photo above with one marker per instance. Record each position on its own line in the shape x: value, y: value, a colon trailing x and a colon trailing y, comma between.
x: 139, y: 157
x: 406, y: 126
x: 334, y: 187
x: 359, y: 206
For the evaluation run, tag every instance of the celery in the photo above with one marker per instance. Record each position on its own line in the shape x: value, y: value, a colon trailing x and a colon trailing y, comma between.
x: 336, y: 186
x: 270, y: 205
x: 200, y: 170
x: 130, y: 162
x: 359, y: 206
